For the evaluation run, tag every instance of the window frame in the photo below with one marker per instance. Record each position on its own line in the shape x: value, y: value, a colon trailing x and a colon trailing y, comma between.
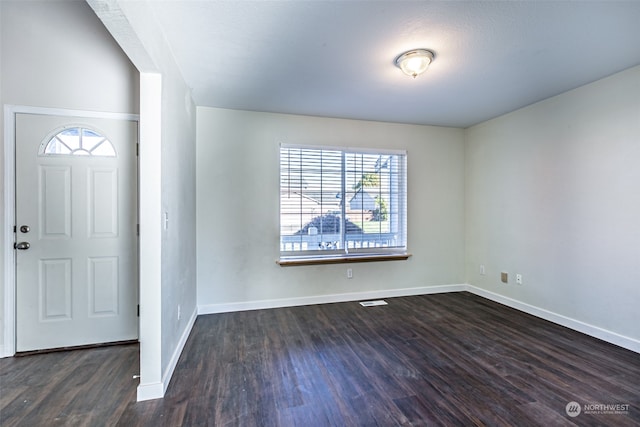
x: 79, y: 151
x: 345, y: 253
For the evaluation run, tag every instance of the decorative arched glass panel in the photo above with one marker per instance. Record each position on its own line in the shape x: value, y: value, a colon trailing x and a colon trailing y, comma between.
x: 79, y: 141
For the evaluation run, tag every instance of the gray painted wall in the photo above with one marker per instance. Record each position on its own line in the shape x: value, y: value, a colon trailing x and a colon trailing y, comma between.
x: 552, y: 193
x: 238, y: 207
x: 178, y: 240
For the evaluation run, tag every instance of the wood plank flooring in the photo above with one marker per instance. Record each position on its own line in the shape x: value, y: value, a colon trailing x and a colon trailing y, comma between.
x: 90, y: 387
x: 445, y: 359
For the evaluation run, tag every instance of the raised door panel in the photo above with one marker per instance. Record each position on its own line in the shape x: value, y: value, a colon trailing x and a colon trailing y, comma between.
x: 55, y: 202
x: 103, y: 203
x: 103, y: 286
x: 54, y: 290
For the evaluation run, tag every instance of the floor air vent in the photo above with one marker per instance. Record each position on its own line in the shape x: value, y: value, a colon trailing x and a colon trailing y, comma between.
x: 373, y: 303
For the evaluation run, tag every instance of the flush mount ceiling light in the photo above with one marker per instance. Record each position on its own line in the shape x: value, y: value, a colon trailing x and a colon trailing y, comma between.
x: 414, y: 62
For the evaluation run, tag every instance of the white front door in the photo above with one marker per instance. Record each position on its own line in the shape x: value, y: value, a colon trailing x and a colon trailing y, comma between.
x: 76, y: 215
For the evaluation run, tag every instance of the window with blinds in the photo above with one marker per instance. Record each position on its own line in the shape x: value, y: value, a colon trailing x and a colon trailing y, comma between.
x: 337, y: 202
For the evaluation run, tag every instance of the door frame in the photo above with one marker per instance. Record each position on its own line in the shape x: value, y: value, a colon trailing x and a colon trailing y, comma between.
x: 10, y: 112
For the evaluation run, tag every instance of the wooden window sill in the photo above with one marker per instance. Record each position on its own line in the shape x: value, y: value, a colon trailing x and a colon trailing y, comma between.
x: 341, y: 259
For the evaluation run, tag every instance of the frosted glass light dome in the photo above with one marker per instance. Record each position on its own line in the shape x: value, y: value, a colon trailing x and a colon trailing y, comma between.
x: 414, y: 62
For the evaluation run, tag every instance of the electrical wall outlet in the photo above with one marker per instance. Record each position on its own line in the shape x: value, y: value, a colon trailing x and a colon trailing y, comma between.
x: 519, y: 279
x: 349, y: 273
x: 504, y: 277
x: 482, y: 270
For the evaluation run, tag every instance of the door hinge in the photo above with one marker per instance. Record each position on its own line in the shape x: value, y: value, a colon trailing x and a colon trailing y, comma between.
x: 15, y: 228
x: 137, y: 229
x: 137, y: 149
x: 138, y: 310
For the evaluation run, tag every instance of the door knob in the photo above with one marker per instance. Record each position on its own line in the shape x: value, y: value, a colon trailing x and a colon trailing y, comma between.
x: 22, y: 246
x: 24, y: 229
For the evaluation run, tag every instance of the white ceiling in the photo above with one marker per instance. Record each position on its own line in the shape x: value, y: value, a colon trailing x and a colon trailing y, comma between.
x: 336, y: 58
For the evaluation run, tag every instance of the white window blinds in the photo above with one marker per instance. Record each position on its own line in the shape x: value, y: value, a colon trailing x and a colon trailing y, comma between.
x: 336, y: 202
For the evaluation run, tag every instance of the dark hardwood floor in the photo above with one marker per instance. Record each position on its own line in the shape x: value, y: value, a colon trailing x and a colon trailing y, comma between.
x: 445, y: 359
x: 91, y: 387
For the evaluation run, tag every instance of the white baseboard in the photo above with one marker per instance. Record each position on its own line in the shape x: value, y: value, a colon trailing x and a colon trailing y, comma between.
x: 158, y: 389
x: 150, y: 391
x: 577, y: 325
x: 2, y: 353
x: 326, y: 299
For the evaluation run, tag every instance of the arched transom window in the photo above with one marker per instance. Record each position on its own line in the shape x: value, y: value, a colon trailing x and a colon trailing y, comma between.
x: 78, y: 141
